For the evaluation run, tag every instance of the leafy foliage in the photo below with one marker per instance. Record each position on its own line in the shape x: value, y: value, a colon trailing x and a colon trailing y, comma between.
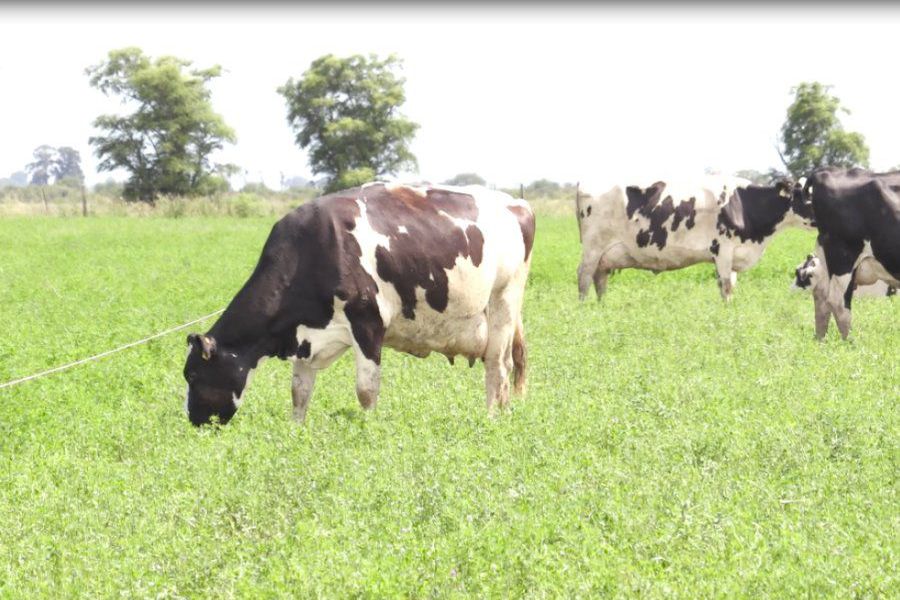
x: 344, y: 112
x: 41, y: 170
x: 166, y: 143
x: 466, y: 179
x: 812, y: 135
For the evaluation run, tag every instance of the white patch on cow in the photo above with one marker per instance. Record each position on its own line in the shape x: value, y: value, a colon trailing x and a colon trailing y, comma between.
x: 328, y: 343
x: 402, y: 229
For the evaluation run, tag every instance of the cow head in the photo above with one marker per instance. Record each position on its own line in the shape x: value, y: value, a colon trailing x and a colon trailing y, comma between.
x: 808, y: 274
x: 216, y: 380
x: 800, y: 203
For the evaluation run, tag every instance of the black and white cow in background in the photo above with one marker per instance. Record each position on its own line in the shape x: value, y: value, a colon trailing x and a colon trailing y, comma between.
x: 858, y: 218
x: 417, y: 269
x: 811, y: 275
x: 668, y: 225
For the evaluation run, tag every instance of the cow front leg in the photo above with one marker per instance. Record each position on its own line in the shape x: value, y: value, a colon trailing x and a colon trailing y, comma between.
x: 302, y: 383
x: 725, y: 276
x: 368, y: 380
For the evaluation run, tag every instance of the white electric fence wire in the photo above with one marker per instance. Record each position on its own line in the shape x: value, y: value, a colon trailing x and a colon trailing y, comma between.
x: 107, y: 353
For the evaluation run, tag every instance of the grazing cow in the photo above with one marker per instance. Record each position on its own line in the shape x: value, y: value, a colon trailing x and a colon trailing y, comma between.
x: 666, y: 226
x: 858, y: 217
x: 417, y: 269
x: 811, y: 275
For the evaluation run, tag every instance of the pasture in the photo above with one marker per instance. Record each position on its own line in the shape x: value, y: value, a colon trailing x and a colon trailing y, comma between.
x: 669, y: 446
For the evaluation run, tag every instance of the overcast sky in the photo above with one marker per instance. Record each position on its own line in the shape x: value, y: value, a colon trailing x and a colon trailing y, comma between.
x: 515, y: 93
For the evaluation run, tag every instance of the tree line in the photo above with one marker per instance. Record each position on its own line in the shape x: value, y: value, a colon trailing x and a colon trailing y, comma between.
x: 345, y: 112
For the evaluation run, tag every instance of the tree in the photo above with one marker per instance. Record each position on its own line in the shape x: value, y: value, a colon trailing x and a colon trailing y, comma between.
x: 812, y: 135
x: 344, y: 111
x: 466, y: 179
x: 41, y: 170
x: 67, y: 165
x: 166, y: 143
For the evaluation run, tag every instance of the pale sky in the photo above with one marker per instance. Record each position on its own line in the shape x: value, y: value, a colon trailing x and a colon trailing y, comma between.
x: 567, y: 92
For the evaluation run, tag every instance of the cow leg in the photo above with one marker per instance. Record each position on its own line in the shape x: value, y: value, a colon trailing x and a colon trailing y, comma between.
x: 302, y: 388
x: 368, y: 380
x: 600, y: 278
x: 839, y: 296
x: 823, y: 315
x: 586, y: 273
x: 498, y: 356
x: 724, y: 274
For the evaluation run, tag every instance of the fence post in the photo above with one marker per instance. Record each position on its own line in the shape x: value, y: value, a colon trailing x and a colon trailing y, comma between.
x: 83, y: 201
x: 44, y: 198
x: 521, y: 191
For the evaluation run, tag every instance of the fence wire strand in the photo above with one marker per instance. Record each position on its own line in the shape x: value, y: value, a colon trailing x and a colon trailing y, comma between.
x: 106, y: 353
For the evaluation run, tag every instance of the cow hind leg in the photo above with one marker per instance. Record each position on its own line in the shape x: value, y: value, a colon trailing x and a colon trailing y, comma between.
x: 601, y: 276
x: 520, y: 359
x: 586, y: 273
x: 823, y: 315
x: 302, y: 383
x: 839, y: 296
x: 498, y: 356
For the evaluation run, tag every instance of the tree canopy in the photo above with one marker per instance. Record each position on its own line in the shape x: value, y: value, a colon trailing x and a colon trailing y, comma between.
x: 466, y: 179
x: 166, y: 143
x: 812, y: 135
x: 345, y: 113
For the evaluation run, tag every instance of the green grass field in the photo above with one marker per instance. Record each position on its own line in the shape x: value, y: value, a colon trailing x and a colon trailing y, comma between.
x: 670, y: 445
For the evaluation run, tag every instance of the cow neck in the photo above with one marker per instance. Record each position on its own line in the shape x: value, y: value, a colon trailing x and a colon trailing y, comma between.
x: 762, y: 211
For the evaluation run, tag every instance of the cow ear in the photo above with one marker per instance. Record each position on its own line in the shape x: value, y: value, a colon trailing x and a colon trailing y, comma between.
x: 207, y: 346
x: 809, y: 257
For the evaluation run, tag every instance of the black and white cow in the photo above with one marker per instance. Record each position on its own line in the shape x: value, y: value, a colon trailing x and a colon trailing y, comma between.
x: 418, y: 269
x: 669, y: 225
x: 858, y: 218
x: 811, y: 275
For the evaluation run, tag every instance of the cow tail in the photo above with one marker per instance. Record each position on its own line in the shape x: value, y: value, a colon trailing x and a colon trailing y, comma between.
x: 520, y: 359
x: 578, y: 208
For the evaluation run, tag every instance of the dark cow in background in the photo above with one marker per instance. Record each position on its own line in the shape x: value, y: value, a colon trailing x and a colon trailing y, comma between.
x: 811, y: 275
x: 668, y: 225
x: 418, y: 269
x: 858, y: 218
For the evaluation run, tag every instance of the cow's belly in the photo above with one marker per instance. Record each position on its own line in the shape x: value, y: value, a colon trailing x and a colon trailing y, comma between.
x: 622, y: 255
x: 870, y: 271
x: 431, y: 331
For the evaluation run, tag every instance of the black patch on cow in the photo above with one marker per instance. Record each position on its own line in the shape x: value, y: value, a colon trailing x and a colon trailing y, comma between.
x: 685, y: 211
x: 714, y: 247
x: 643, y: 201
x: 421, y: 256
x: 852, y: 207
x: 753, y: 212
x: 589, y: 210
x: 526, y: 224
x: 476, y: 244
x: 646, y: 203
x: 303, y: 349
x: 891, y: 291
x: 848, y: 293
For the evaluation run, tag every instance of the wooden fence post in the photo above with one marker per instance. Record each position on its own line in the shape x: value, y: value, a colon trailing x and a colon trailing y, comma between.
x: 83, y: 201
x: 521, y: 191
x: 44, y: 198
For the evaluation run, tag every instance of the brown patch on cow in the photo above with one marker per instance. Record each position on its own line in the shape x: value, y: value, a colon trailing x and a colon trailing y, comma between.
x: 526, y: 224
x: 420, y: 254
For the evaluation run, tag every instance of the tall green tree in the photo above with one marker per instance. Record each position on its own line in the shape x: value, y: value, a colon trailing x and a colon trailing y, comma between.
x: 166, y: 142
x: 812, y: 135
x: 41, y: 170
x: 345, y: 113
x: 68, y: 164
